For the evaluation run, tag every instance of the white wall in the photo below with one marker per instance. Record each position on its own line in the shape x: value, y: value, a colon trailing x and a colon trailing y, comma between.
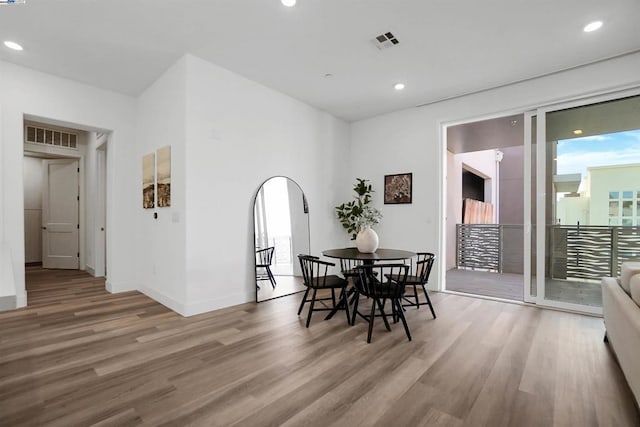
x: 227, y: 135
x: 238, y: 134
x: 573, y: 210
x: 409, y: 141
x: 27, y: 92
x: 161, y: 121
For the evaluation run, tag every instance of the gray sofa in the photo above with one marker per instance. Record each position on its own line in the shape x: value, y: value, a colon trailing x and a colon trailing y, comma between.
x: 621, y: 310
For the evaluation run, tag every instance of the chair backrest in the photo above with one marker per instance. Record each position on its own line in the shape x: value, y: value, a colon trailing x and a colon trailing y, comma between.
x: 382, y: 280
x: 347, y: 266
x: 314, y: 271
x: 264, y: 256
x: 423, y: 265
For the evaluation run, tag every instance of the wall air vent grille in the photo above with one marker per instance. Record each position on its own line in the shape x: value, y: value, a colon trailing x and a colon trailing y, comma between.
x: 385, y: 41
x: 45, y: 136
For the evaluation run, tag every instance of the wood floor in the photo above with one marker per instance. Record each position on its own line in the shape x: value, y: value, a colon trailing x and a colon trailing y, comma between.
x: 80, y: 356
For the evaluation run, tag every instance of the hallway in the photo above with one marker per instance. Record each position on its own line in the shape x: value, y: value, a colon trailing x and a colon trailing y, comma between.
x: 60, y: 286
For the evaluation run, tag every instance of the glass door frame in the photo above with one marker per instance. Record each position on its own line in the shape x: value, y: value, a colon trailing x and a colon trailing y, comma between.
x: 529, y: 297
x: 541, y: 148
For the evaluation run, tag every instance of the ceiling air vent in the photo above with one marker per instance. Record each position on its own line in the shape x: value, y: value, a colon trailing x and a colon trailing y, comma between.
x: 44, y: 136
x: 384, y: 41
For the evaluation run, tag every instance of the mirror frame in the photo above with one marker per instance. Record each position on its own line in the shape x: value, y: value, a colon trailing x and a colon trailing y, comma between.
x: 306, y: 211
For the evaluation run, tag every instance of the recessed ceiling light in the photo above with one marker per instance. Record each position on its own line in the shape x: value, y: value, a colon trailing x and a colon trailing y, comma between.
x: 398, y: 86
x: 592, y: 26
x: 577, y: 132
x: 12, y: 45
x: 288, y: 3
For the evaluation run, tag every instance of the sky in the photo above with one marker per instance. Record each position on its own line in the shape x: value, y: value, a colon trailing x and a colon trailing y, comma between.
x: 576, y: 154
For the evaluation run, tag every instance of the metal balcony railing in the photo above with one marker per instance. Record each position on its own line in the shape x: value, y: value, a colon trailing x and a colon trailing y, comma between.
x: 573, y: 251
x: 591, y: 251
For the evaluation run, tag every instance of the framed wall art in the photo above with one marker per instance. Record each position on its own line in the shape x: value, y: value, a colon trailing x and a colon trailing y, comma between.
x: 148, y: 181
x: 397, y: 188
x: 164, y: 176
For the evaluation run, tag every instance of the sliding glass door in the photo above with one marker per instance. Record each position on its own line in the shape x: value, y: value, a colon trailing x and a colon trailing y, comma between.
x: 583, y: 167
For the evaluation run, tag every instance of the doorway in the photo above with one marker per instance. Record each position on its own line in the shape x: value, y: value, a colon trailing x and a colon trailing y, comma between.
x: 485, y: 210
x: 65, y: 183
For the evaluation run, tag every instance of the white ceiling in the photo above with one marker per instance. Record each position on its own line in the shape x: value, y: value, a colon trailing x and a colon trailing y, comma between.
x: 447, y: 47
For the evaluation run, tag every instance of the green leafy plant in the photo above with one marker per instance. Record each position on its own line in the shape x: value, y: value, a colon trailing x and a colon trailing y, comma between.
x: 356, y: 214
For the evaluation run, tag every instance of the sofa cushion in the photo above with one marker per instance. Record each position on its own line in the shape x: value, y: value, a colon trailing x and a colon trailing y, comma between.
x: 629, y: 268
x: 634, y: 284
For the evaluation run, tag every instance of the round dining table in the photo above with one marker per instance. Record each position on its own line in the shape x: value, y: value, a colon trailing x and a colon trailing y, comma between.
x: 379, y: 255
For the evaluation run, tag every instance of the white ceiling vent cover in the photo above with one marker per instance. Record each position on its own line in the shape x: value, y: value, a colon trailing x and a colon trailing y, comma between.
x: 385, y: 41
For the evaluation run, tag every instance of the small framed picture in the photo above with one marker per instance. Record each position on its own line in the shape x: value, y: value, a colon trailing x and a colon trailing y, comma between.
x: 397, y: 188
x: 148, y: 181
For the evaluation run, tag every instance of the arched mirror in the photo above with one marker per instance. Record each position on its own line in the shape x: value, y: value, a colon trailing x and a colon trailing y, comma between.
x: 281, y: 231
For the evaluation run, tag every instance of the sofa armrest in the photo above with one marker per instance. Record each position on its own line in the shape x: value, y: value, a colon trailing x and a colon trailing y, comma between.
x: 622, y: 321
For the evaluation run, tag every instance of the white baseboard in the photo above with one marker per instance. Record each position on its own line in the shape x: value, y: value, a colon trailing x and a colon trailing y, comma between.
x: 91, y: 271
x: 114, y: 288
x: 200, y: 307
x: 21, y: 299
x: 165, y: 300
x: 192, y: 309
x: 8, y: 303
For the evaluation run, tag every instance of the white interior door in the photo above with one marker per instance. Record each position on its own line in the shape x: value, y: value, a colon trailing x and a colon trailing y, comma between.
x: 60, y: 226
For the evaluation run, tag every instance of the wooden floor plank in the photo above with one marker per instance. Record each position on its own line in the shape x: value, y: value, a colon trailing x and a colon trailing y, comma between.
x: 81, y: 356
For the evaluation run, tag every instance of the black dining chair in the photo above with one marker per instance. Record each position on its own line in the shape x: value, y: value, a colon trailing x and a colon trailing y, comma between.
x: 264, y: 257
x: 419, y: 277
x: 347, y: 267
x: 381, y: 283
x: 314, y: 273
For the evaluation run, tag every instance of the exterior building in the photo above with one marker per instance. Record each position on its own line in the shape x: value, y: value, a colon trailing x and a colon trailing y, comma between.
x: 611, y: 196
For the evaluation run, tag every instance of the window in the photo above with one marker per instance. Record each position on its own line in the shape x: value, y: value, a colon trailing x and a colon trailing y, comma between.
x: 614, y: 207
x: 624, y: 208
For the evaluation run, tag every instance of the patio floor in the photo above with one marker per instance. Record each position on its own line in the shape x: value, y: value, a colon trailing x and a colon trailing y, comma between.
x: 510, y: 286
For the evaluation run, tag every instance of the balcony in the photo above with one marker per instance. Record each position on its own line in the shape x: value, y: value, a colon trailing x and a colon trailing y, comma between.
x: 489, y: 260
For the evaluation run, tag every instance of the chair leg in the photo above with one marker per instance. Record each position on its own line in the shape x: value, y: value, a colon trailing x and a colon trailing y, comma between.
x: 356, y: 298
x: 404, y: 321
x: 384, y: 316
x: 313, y: 301
x: 272, y: 278
x: 415, y: 292
x: 424, y: 289
x: 304, y: 299
x: 372, y: 316
x: 345, y: 300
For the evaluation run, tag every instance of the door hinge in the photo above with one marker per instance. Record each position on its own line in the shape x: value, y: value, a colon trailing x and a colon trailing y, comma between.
x: 78, y: 254
x: 78, y: 226
x: 78, y: 170
x: 78, y: 198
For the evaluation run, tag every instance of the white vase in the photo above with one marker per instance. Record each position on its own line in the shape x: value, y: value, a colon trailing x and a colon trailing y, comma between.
x: 367, y: 241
